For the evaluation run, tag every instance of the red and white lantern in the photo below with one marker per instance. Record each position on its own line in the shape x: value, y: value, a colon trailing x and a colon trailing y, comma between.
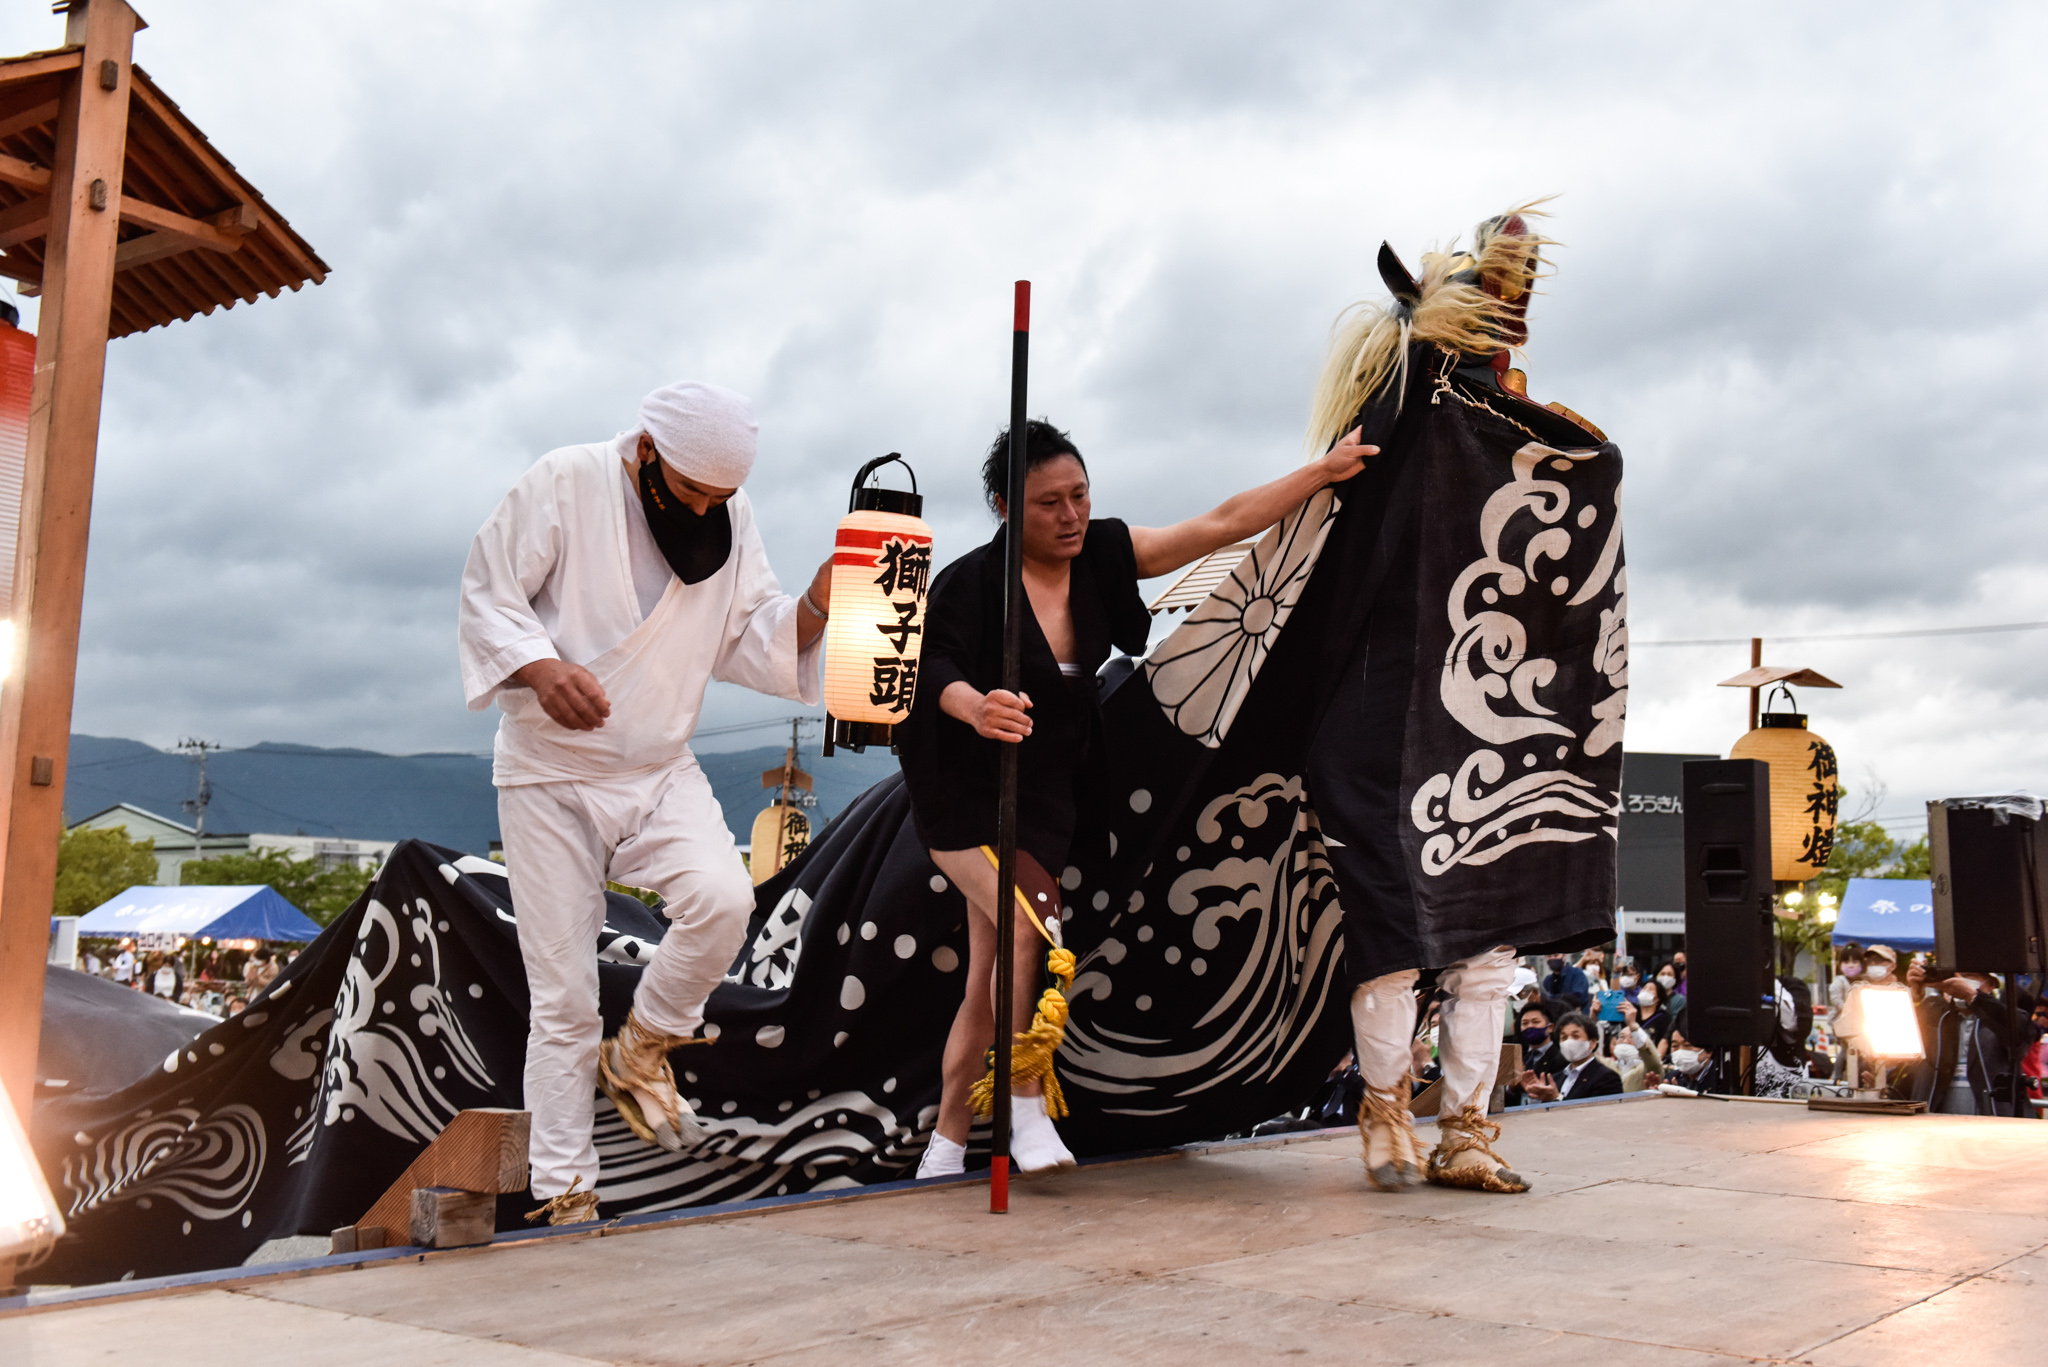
x: 881, y: 576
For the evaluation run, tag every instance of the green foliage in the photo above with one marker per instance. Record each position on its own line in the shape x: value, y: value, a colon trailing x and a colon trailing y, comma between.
x: 322, y: 894
x: 94, y: 865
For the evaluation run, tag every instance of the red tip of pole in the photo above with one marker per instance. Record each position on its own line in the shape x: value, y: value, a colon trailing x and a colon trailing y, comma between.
x: 999, y: 1186
x: 1023, y: 306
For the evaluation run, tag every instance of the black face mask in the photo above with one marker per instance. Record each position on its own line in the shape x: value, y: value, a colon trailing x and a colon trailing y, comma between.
x: 695, y: 547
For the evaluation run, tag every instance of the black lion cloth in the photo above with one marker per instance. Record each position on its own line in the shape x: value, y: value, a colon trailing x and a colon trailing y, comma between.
x: 1408, y: 696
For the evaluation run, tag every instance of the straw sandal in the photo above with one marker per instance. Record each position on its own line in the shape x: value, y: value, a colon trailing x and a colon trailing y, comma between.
x: 1465, y: 1158
x: 1393, y: 1155
x: 633, y: 1070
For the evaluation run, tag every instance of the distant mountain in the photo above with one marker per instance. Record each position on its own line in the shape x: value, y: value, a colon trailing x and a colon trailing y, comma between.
x: 361, y: 794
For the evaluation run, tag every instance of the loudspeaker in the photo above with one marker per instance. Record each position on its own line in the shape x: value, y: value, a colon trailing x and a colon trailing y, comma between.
x: 1987, y: 888
x: 1730, y: 937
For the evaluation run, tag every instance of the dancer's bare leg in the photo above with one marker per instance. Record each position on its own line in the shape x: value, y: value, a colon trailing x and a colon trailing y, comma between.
x: 973, y: 1032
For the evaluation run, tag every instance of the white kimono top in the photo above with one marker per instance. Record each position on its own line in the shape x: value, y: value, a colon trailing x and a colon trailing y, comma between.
x: 550, y: 576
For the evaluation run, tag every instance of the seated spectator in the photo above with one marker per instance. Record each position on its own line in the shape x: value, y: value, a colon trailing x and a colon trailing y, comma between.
x: 1687, y: 1065
x: 1567, y: 984
x: 1653, y: 1007
x: 1593, y: 964
x: 1678, y: 962
x: 1630, y: 1035
x: 1583, y: 1074
x: 1535, y: 1034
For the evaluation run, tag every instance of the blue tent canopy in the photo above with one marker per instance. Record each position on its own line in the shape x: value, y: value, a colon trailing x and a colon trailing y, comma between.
x: 253, y: 912
x: 1887, y: 911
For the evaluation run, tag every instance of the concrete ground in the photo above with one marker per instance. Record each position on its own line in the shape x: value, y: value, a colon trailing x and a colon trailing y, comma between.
x: 1660, y: 1232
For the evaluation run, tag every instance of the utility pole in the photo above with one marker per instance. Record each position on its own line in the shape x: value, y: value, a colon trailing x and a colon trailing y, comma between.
x: 197, y: 804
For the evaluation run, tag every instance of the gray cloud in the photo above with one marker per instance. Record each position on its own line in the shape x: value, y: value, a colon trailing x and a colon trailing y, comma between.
x: 1796, y: 289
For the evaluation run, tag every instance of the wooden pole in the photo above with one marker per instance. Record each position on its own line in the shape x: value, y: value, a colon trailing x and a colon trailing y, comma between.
x: 1014, y: 609
x: 56, y: 509
x: 1756, y: 657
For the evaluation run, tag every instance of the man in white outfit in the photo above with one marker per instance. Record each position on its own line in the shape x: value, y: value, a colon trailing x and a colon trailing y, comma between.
x: 612, y: 584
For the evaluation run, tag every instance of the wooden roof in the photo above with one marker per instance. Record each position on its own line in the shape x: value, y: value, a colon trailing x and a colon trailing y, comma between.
x: 195, y: 235
x: 1763, y: 675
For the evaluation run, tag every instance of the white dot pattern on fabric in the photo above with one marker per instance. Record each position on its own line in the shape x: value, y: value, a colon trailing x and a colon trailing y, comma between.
x: 852, y: 994
x: 945, y: 958
x: 837, y: 1040
x: 868, y: 930
x: 1144, y: 934
x: 1144, y: 1003
x: 906, y: 945
x: 889, y: 1085
x: 1100, y: 901
x: 1182, y: 854
x: 1173, y: 954
x: 845, y: 934
x: 769, y: 1037
x: 712, y: 1030
x: 476, y: 989
x: 938, y: 882
x: 1070, y: 878
x: 1198, y: 967
x: 1141, y: 801
x: 729, y: 1107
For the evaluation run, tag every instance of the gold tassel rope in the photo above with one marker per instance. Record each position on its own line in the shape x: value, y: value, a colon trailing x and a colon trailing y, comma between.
x: 1032, y: 1051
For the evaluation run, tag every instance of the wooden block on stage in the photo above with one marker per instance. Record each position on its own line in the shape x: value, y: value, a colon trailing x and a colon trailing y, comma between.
x: 1426, y: 1101
x: 481, y: 1151
x: 443, y: 1217
x: 349, y: 1239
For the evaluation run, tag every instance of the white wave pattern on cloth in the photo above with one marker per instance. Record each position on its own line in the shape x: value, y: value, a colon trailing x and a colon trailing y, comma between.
x: 1489, y: 663
x: 744, y: 1157
x: 375, y: 1068
x: 208, y: 1166
x: 772, y: 958
x: 1256, y: 1021
x: 1201, y: 673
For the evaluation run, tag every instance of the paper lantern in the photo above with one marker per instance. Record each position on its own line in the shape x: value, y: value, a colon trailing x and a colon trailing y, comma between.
x: 881, y: 573
x: 780, y: 834
x: 1804, y: 793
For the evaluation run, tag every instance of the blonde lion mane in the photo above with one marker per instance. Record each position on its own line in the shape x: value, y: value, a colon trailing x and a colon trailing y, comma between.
x: 1369, y: 341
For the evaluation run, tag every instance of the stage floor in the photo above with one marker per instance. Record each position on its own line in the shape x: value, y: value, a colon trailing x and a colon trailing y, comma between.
x: 1661, y: 1231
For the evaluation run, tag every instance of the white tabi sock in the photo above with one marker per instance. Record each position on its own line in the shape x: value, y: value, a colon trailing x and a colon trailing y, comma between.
x: 942, y: 1158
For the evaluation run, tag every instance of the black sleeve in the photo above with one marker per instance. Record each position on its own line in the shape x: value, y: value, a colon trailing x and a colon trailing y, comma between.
x: 1598, y: 1080
x: 1130, y: 622
x: 952, y: 631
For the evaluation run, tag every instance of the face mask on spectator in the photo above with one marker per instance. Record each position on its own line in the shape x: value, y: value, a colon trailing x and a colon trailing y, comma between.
x: 1685, y: 1060
x: 1627, y: 1055
x: 1877, y: 973
x: 1626, y: 980
x: 1556, y: 964
x: 1851, y: 970
x: 1646, y: 999
x: 1666, y: 981
x: 1575, y: 1050
x: 1534, y: 1035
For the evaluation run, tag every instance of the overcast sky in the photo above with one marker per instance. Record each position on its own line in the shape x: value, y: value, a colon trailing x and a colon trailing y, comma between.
x: 1798, y: 285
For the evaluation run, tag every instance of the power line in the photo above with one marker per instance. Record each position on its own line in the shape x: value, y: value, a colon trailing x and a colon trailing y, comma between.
x: 1853, y: 635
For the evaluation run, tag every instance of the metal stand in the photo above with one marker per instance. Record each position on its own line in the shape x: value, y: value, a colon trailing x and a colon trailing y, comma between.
x: 1006, y: 816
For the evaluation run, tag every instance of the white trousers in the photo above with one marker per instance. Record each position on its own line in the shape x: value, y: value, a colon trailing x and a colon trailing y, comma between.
x: 1468, y: 1041
x: 562, y: 841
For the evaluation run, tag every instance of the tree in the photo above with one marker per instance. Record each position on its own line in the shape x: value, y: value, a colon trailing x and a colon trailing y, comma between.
x: 322, y: 894
x: 94, y: 864
x: 1862, y: 849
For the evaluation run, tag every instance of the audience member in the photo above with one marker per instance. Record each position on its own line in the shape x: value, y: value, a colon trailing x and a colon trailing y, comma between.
x: 1583, y: 1074
x: 124, y: 966
x: 1565, y: 983
x: 1653, y: 1005
x: 1965, y: 1034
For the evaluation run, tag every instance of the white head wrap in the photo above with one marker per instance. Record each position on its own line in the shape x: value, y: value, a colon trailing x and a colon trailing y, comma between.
x: 702, y: 431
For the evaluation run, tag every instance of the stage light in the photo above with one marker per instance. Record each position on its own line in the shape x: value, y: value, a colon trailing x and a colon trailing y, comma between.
x: 1794, y: 898
x: 881, y: 573
x: 1890, y: 1028
x: 29, y: 1219
x: 1829, y: 907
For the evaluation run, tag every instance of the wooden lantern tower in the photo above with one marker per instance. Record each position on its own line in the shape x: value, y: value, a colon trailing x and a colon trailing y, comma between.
x: 115, y: 209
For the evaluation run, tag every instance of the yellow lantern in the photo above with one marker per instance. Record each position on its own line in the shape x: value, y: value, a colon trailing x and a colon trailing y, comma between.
x: 881, y: 573
x: 1805, y: 791
x: 781, y: 831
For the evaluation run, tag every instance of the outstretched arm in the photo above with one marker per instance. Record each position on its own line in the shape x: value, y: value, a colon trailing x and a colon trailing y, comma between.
x: 1162, y: 550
